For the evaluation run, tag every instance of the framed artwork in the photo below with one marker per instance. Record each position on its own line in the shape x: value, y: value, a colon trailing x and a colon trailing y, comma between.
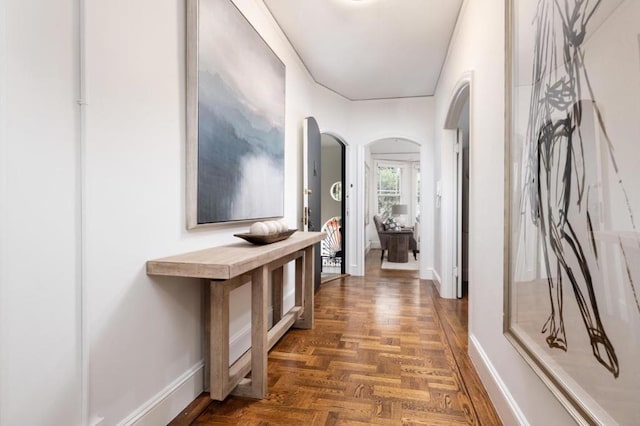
x: 235, y: 118
x: 572, y: 200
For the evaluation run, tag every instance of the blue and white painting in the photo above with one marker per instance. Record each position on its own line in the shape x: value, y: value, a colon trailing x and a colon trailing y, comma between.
x: 241, y: 93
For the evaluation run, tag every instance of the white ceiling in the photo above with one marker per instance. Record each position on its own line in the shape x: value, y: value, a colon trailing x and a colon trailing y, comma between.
x: 370, y: 49
x: 394, y: 146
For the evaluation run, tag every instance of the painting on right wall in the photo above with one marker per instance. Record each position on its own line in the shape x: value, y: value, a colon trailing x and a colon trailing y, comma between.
x: 572, y: 270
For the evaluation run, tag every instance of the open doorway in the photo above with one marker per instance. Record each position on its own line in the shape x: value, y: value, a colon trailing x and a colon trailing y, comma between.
x: 459, y: 122
x: 332, y: 207
x: 392, y: 205
x: 462, y: 190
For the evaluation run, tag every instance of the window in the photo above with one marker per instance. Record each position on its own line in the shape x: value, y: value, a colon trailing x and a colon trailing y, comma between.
x: 389, y: 188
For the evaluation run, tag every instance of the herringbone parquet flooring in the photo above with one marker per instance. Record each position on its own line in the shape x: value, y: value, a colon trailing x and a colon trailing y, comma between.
x: 385, y: 350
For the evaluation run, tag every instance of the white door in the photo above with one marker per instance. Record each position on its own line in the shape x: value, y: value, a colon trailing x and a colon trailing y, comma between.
x: 312, y: 153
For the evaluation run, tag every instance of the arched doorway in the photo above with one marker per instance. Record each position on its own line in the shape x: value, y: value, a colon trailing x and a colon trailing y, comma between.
x: 458, y: 122
x: 392, y: 197
x: 333, y: 248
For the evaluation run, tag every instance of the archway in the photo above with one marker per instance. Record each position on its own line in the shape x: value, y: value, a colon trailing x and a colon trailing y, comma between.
x: 333, y: 207
x: 456, y: 215
x: 391, y: 192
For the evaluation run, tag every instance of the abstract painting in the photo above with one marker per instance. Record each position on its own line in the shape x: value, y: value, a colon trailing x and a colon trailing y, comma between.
x: 235, y: 118
x: 572, y: 273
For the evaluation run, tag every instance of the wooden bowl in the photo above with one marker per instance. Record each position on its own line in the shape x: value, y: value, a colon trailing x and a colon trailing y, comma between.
x: 265, y: 239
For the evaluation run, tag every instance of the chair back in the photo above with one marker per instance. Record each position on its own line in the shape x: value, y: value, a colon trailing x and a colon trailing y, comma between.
x: 379, y: 224
x: 382, y: 236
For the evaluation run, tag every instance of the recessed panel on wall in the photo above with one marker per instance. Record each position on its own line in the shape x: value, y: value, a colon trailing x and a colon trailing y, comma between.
x: 572, y: 300
x: 235, y: 118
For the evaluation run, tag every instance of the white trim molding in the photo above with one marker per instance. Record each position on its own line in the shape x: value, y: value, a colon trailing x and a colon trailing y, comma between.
x: 240, y: 342
x: 506, y: 405
x: 166, y: 404
x: 436, y: 280
x: 426, y: 273
x: 461, y: 93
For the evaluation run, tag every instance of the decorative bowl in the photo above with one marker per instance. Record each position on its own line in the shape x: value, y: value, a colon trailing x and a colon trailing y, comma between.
x: 265, y: 239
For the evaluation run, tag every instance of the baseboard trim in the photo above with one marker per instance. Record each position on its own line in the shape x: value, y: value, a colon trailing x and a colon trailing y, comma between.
x: 506, y: 406
x: 436, y: 281
x: 165, y: 405
x: 427, y: 274
x: 240, y: 342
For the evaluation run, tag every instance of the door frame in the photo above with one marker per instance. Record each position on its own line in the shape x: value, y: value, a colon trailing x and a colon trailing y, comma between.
x: 457, y: 213
x: 345, y: 198
x: 426, y: 215
x: 348, y: 222
x: 451, y: 223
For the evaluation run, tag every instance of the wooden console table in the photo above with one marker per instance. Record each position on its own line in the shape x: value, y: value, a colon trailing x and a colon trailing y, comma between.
x: 228, y: 267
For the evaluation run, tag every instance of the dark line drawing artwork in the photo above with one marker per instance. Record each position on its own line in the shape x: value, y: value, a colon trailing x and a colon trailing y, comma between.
x: 560, y: 186
x: 241, y: 108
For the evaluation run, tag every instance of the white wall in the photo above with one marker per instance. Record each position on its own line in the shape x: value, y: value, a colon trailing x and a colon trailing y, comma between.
x: 127, y: 178
x: 139, y: 327
x: 410, y: 118
x: 145, y: 332
x: 359, y: 123
x: 478, y: 46
x: 39, y: 214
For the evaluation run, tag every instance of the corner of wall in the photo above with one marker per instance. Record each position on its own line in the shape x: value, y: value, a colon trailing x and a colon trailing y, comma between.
x: 436, y: 280
x: 426, y: 273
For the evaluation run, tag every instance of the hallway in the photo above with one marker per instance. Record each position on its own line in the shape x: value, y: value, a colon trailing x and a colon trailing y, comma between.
x: 385, y: 350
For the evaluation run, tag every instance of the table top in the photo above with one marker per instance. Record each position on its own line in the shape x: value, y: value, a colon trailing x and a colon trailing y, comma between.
x: 230, y: 260
x: 400, y: 232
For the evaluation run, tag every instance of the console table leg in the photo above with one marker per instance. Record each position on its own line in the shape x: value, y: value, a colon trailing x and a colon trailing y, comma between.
x: 259, y: 350
x: 219, y: 340
x: 206, y: 315
x: 307, y: 289
x: 276, y: 293
x: 299, y: 284
x: 257, y: 387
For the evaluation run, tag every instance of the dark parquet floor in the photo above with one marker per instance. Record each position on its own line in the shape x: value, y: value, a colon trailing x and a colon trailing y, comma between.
x: 385, y: 350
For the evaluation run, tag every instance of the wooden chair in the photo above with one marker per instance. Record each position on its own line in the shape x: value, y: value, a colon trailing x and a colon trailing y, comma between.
x: 331, y: 246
